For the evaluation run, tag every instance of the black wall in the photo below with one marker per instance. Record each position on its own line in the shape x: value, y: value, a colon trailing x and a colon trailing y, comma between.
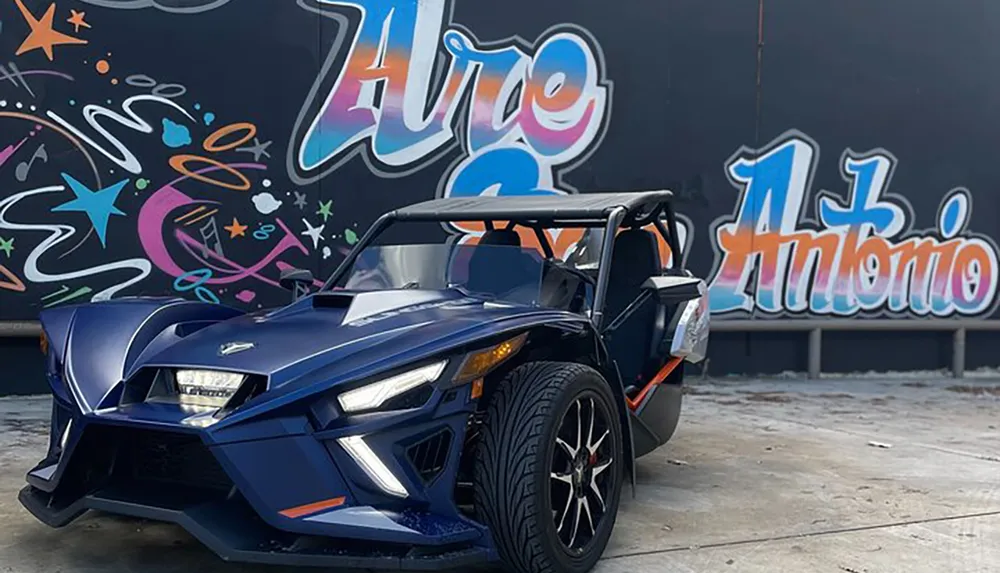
x: 842, y: 167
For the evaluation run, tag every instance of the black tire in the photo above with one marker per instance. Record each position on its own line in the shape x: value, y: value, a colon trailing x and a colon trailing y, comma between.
x: 515, y: 463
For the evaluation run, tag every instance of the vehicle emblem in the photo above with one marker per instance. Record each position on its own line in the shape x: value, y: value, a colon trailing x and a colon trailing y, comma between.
x: 234, y: 347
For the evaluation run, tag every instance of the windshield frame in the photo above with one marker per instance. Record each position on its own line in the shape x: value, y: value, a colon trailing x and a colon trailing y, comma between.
x: 611, y: 221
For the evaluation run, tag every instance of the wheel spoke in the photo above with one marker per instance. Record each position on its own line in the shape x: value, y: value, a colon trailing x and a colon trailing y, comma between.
x: 569, y: 449
x: 569, y: 503
x: 590, y: 432
x: 599, y: 468
x: 597, y: 492
x: 576, y: 525
x: 566, y: 478
x: 585, y: 506
x: 592, y: 447
x: 579, y: 425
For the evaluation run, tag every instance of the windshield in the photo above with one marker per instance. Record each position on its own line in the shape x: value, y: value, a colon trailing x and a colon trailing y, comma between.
x: 511, y: 274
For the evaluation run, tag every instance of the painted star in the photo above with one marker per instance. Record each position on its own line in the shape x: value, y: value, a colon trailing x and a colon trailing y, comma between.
x: 77, y: 20
x: 236, y: 230
x: 258, y: 149
x: 7, y: 245
x: 98, y: 205
x: 325, y: 209
x: 42, y: 35
x: 300, y: 200
x: 314, y: 233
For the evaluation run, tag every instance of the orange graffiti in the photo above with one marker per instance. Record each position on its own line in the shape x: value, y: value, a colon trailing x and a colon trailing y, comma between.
x: 179, y: 163
x: 14, y: 283
x: 212, y: 141
x: 560, y: 239
x: 102, y: 67
x: 42, y: 36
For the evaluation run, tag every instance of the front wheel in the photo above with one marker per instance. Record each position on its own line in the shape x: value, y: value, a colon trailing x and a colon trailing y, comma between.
x: 549, y: 468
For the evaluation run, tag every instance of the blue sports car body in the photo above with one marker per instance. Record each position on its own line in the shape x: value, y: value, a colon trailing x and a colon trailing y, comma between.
x: 335, y: 431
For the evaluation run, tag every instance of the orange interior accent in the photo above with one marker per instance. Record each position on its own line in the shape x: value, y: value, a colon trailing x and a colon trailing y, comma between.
x: 477, y: 388
x: 658, y: 379
x: 313, y: 507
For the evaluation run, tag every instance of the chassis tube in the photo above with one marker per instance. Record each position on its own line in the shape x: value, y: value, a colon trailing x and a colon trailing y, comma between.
x: 607, y: 249
x: 366, y: 239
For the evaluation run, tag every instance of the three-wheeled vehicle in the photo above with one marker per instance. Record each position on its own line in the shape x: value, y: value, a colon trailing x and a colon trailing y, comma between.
x: 433, y: 405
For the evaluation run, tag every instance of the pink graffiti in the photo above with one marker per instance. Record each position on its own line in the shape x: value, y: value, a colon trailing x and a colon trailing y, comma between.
x: 246, y: 296
x: 154, y: 215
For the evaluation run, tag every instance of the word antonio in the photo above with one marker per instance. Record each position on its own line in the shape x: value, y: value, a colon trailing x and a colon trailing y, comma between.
x: 861, y: 257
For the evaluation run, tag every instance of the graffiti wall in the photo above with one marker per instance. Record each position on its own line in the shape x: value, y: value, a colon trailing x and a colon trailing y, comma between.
x: 198, y: 147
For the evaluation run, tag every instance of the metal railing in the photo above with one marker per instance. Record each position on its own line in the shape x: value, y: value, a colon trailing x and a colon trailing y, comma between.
x: 815, y: 327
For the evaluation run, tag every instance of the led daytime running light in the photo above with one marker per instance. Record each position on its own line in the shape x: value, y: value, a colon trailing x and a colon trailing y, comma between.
x: 373, y: 465
x: 373, y: 395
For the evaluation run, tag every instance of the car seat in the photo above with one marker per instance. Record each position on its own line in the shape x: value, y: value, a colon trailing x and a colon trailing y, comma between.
x: 635, y: 258
x: 497, y: 271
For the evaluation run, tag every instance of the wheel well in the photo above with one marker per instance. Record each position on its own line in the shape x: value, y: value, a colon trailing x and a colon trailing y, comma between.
x: 551, y: 343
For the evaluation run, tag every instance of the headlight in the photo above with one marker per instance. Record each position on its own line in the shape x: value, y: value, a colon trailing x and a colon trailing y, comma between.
x: 374, y: 395
x: 206, y: 387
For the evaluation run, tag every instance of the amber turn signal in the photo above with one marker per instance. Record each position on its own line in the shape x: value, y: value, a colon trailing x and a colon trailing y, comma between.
x: 477, y: 389
x: 481, y: 363
x: 43, y: 343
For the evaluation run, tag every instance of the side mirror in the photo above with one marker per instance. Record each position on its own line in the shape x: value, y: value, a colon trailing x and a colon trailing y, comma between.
x: 674, y: 290
x: 687, y: 331
x: 299, y: 281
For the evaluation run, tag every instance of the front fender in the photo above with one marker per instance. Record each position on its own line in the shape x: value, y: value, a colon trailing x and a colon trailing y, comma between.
x: 94, y: 345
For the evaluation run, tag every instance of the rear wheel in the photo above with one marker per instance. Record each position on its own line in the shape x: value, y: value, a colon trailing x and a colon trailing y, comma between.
x: 549, y: 468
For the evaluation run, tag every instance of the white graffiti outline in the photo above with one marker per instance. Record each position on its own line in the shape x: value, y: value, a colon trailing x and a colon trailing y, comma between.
x: 59, y: 234
x: 92, y: 112
x: 205, y: 6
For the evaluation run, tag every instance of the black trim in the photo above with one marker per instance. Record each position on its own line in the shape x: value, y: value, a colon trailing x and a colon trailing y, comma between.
x: 235, y: 533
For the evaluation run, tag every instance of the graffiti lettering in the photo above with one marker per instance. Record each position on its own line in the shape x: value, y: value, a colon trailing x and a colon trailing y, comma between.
x: 860, y: 257
x: 529, y: 113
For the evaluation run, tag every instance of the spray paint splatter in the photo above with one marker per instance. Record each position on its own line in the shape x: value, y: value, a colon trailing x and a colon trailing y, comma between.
x: 209, y: 118
x: 175, y: 135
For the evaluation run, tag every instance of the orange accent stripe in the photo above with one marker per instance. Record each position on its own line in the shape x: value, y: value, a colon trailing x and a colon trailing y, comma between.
x: 669, y: 367
x: 313, y: 507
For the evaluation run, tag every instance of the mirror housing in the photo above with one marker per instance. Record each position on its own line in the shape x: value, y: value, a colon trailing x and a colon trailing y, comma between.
x: 299, y: 281
x: 674, y: 290
x: 686, y: 334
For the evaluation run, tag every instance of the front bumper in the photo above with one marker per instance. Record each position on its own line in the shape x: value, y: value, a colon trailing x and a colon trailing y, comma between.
x: 235, y: 533
x: 259, y: 491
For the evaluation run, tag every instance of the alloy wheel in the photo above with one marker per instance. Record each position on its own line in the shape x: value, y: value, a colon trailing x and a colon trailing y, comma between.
x: 580, y: 480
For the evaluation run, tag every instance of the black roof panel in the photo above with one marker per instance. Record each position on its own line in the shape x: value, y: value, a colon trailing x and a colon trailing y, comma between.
x: 531, y: 207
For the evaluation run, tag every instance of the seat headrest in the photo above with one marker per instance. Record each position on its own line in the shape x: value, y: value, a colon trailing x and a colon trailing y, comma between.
x: 501, y: 238
x: 637, y: 247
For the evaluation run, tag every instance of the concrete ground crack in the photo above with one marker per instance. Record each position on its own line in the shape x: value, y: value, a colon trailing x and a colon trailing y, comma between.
x: 739, y: 542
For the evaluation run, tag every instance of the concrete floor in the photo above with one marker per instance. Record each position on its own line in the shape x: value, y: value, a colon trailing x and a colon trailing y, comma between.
x: 761, y: 477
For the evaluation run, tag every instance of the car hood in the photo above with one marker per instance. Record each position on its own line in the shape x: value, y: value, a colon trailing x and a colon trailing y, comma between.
x: 343, y: 335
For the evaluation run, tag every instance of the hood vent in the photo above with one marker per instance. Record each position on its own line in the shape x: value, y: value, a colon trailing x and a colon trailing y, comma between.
x: 332, y: 300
